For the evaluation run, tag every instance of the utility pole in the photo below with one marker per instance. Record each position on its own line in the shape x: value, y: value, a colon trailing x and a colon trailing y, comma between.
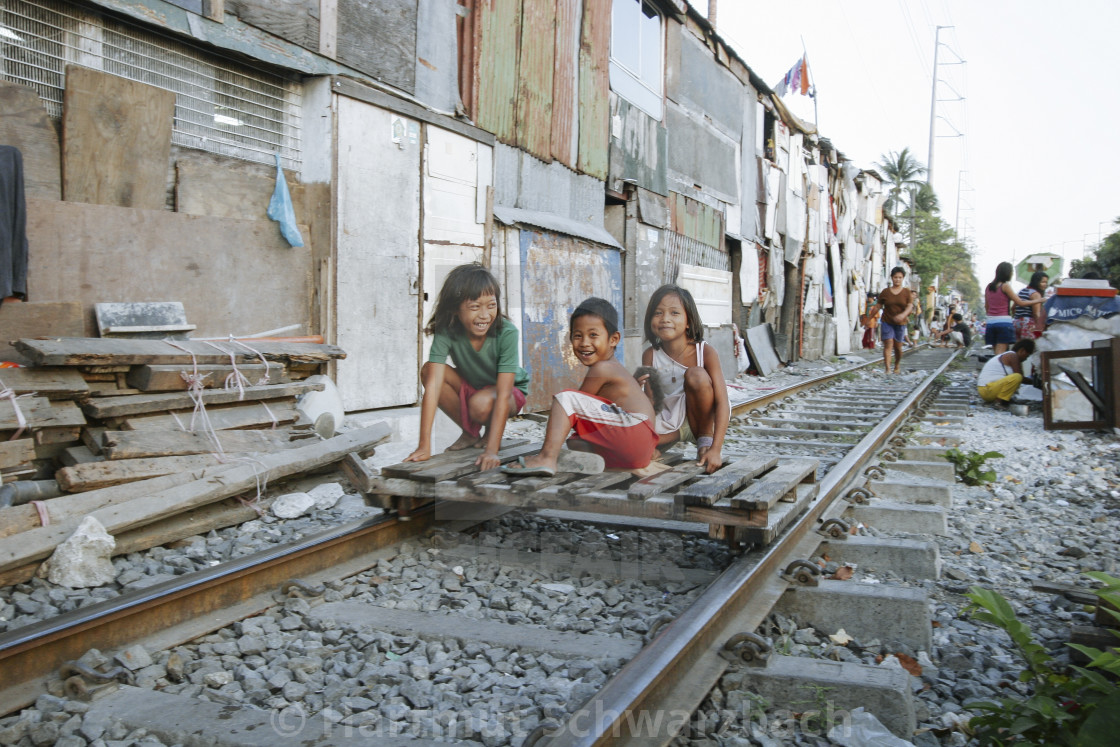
x: 933, y: 104
x: 957, y: 222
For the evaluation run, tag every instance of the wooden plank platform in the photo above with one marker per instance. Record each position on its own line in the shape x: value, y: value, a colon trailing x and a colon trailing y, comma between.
x: 142, y: 404
x: 100, y: 351
x: 52, y: 383
x: 749, y: 500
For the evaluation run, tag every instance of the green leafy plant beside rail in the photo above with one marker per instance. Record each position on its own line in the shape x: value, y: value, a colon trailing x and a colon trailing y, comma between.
x: 1074, y: 706
x: 968, y: 465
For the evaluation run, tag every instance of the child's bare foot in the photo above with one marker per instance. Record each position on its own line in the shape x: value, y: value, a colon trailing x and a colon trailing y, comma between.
x: 465, y: 441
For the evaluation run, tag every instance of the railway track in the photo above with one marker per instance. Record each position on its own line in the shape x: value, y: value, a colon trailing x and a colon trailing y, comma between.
x: 829, y: 425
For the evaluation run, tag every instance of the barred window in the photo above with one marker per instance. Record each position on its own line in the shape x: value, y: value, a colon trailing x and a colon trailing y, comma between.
x: 221, y: 105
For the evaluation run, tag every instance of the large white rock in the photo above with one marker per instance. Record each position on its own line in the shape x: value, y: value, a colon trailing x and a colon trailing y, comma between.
x: 83, y: 559
x: 326, y: 495
x: 291, y: 505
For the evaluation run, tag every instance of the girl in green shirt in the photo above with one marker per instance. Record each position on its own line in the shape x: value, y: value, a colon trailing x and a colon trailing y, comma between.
x: 487, y: 384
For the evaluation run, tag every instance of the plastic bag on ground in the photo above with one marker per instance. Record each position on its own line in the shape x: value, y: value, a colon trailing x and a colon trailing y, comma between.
x: 865, y: 731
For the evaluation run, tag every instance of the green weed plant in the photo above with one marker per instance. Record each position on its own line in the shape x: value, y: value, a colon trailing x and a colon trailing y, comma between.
x: 1067, y: 706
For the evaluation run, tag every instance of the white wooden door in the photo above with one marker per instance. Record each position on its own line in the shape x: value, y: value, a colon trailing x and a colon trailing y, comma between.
x: 378, y: 264
x: 454, y: 210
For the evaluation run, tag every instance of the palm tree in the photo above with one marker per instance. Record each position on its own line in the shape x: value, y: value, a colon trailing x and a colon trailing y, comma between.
x: 902, y: 171
x: 925, y: 199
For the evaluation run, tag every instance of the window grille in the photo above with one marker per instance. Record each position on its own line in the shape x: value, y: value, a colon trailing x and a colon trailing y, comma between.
x: 221, y: 105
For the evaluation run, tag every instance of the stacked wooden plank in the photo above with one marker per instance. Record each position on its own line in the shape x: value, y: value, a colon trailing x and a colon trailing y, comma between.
x: 102, y: 412
x: 112, y: 422
x: 749, y: 501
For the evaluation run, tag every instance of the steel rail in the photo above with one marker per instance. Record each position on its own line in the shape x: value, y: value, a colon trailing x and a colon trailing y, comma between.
x: 779, y: 394
x: 645, y: 690
x: 30, y: 655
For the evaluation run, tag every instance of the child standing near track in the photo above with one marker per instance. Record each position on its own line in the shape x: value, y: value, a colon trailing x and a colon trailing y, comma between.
x: 610, y: 413
x: 695, y: 407
x: 487, y: 384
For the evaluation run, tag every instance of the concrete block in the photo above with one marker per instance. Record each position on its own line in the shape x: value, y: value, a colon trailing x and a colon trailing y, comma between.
x: 790, y: 681
x: 894, y: 615
x: 901, y: 518
x: 922, y: 453
x: 937, y: 439
x: 174, y: 719
x: 943, y: 420
x: 906, y: 557
x: 939, y: 413
x: 942, y: 471
x: 912, y: 491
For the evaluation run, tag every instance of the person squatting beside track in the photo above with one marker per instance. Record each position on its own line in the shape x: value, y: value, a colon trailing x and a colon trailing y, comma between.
x: 487, y: 383
x: 1002, y: 374
x: 695, y: 406
x: 610, y: 413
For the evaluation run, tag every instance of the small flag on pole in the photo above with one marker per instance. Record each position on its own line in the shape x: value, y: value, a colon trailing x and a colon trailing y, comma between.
x: 797, y: 80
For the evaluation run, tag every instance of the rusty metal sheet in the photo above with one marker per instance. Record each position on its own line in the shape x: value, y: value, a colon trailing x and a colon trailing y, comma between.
x: 695, y: 220
x: 594, y: 87
x: 564, y: 79
x: 534, y: 77
x: 638, y: 149
x: 499, y: 37
x: 557, y: 272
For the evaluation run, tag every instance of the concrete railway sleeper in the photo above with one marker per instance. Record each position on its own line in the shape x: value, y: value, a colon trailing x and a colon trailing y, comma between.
x: 388, y: 620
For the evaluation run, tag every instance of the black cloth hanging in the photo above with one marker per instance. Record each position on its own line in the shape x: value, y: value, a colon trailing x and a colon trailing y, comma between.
x: 13, y: 225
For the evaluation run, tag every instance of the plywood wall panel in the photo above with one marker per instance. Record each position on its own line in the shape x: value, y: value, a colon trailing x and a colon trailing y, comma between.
x: 221, y: 187
x: 25, y: 125
x: 378, y: 37
x: 116, y: 140
x: 233, y: 276
x: 294, y: 20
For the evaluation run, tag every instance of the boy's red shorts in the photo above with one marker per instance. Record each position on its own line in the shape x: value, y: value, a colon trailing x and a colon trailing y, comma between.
x: 624, y: 439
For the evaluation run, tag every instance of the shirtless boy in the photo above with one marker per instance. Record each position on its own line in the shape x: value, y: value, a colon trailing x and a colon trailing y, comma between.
x: 611, y: 415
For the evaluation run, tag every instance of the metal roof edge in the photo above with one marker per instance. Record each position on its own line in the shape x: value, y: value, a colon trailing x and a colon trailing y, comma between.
x: 553, y: 222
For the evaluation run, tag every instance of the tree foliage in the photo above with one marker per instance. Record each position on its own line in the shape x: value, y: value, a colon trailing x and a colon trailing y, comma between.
x: 938, y: 251
x: 1105, y: 261
x: 901, y: 170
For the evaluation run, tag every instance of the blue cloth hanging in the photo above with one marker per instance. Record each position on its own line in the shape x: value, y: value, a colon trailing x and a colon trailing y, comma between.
x: 280, y: 208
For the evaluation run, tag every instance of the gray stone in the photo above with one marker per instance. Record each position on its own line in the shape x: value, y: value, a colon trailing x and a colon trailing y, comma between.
x: 291, y: 505
x: 134, y: 658
x: 83, y: 559
x: 326, y: 495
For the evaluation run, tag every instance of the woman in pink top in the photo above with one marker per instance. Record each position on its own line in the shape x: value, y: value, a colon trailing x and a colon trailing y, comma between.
x: 999, y: 297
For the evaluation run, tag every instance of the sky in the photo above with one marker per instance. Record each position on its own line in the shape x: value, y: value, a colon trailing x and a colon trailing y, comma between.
x: 1038, y: 163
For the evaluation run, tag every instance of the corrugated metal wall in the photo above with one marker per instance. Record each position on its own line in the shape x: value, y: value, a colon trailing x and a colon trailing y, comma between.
x: 534, y: 77
x: 533, y: 58
x: 695, y: 220
x: 499, y: 44
x: 594, y: 87
x: 564, y: 82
